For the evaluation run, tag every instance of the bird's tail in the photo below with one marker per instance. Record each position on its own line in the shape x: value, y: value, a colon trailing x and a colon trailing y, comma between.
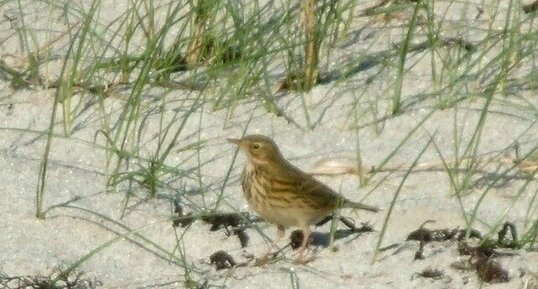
x: 355, y: 205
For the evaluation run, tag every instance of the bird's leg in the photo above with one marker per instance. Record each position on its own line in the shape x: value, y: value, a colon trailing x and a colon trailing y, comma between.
x: 281, y: 230
x: 306, y: 240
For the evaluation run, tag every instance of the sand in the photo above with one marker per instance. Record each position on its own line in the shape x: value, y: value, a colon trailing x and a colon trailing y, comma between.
x: 94, y: 216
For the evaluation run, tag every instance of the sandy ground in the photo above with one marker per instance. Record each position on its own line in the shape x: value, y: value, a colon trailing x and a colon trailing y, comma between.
x: 32, y: 246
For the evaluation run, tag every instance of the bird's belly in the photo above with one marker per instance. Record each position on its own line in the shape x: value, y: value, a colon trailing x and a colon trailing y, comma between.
x: 277, y: 215
x: 289, y: 216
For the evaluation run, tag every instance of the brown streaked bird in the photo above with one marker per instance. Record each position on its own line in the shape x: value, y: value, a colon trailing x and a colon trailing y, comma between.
x: 283, y: 194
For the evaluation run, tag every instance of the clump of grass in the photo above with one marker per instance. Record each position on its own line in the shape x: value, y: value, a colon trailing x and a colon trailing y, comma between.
x: 318, y: 19
x: 56, y: 280
x: 312, y: 44
x: 198, y: 45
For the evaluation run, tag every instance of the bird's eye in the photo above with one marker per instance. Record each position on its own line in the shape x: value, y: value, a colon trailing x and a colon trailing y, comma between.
x: 256, y: 146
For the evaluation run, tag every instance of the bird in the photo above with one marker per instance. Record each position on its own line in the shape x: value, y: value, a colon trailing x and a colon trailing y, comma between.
x: 283, y: 194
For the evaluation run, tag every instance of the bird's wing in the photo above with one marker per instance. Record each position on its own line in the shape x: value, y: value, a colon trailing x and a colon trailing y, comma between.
x: 315, y: 189
x: 312, y: 190
x: 325, y: 197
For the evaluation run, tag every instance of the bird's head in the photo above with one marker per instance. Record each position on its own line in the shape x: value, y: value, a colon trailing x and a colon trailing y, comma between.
x: 259, y: 148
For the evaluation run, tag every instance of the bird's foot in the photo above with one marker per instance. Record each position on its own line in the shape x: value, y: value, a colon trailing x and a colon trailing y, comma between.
x: 265, y: 259
x: 303, y: 260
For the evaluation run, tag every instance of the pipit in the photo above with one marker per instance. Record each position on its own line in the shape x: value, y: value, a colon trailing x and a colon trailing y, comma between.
x: 283, y: 194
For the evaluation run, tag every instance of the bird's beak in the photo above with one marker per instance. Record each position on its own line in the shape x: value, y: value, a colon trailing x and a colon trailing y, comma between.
x: 235, y: 141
